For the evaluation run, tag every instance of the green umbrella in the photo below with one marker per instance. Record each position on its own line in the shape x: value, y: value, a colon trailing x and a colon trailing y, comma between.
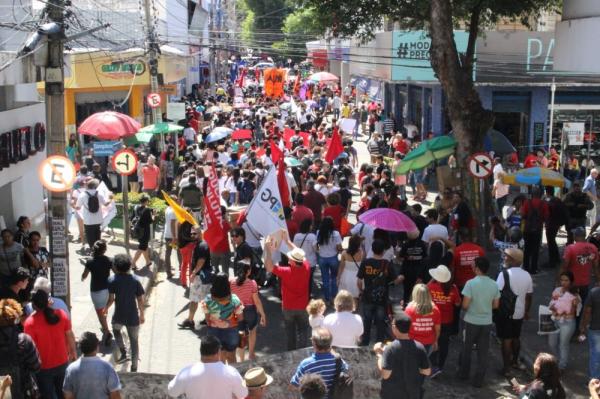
x: 428, y: 151
x: 144, y: 135
x: 291, y: 162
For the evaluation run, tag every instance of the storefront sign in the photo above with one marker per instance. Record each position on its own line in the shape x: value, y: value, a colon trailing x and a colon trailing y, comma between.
x: 176, y: 111
x: 411, y: 58
x: 170, y: 90
x: 515, y: 56
x: 574, y: 132
x: 105, y: 148
x: 538, y: 133
x: 118, y: 70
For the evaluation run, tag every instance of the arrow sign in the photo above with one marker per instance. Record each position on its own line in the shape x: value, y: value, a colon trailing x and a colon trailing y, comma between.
x: 480, y: 165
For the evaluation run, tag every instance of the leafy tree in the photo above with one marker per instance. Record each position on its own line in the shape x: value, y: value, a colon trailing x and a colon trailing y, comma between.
x: 299, y: 27
x: 454, y: 70
x: 265, y: 20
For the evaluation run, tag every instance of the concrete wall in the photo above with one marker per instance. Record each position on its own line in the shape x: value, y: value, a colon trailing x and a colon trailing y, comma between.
x: 280, y: 366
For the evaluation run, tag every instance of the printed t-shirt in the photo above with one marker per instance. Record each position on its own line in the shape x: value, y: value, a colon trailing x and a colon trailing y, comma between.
x: 422, y: 327
x: 223, y: 315
x: 579, y: 257
x: 377, y: 274
x: 49, y: 339
x: 294, y: 285
x: 445, y: 303
x: 463, y: 261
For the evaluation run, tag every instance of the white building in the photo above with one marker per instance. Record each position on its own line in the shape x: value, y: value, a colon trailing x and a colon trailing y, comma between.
x: 21, y: 110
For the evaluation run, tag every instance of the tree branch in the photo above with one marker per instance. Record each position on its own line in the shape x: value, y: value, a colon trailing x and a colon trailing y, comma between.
x: 473, y: 33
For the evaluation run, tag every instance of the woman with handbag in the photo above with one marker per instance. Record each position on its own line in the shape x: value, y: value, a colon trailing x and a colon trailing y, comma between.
x: 247, y: 291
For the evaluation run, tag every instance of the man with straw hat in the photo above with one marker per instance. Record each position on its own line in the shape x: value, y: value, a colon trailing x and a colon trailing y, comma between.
x: 257, y: 381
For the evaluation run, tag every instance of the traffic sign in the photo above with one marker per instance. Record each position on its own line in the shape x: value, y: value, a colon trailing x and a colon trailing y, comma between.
x: 125, y: 162
x: 153, y: 100
x: 57, y: 173
x: 480, y: 165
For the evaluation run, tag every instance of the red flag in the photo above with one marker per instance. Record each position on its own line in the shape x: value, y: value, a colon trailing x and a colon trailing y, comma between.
x: 335, y: 147
x: 240, y: 81
x: 297, y: 85
x: 214, y: 233
x: 276, y: 153
x: 284, y: 189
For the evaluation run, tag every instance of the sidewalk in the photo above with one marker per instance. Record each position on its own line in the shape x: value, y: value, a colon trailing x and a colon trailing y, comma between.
x: 83, y: 314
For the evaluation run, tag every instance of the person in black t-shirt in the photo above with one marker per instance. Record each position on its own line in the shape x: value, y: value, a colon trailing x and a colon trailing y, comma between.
x: 375, y: 274
x: 145, y: 219
x: 99, y: 266
x: 413, y: 254
x: 403, y: 364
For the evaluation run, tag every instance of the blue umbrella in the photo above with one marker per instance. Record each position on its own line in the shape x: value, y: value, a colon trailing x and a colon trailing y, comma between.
x: 217, y: 134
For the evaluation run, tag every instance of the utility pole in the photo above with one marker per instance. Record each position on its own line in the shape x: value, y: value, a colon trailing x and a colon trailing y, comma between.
x: 56, y: 144
x: 152, y: 59
x: 212, y: 48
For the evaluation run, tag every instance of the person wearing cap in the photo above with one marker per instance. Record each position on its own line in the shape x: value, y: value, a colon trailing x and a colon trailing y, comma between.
x: 508, y: 328
x: 257, y: 381
x: 581, y: 258
x: 295, y: 280
x: 90, y: 376
x: 209, y: 378
x: 446, y: 297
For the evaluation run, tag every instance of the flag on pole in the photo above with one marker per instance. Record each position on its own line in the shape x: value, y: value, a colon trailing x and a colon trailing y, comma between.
x: 284, y: 189
x: 180, y: 213
x: 276, y: 153
x: 265, y: 212
x: 213, y: 234
x: 335, y: 147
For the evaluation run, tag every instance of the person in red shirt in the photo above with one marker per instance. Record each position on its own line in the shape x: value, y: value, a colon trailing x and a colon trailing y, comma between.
x: 222, y: 254
x: 315, y: 201
x: 464, y: 259
x: 51, y: 332
x: 534, y: 214
x: 581, y: 258
x: 530, y: 161
x: 447, y: 298
x: 425, y: 318
x: 301, y: 212
x: 295, y: 282
x: 335, y: 210
x: 151, y: 176
x: 291, y: 224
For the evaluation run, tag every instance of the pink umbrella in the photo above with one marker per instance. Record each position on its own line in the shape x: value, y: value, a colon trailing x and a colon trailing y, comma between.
x: 388, y: 219
x: 109, y: 125
x: 323, y: 77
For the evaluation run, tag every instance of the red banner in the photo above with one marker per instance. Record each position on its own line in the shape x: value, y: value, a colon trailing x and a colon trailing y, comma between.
x: 214, y: 233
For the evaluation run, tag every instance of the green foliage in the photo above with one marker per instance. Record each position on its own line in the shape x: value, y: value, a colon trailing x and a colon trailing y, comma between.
x: 246, y: 18
x: 299, y: 27
x: 363, y: 17
x: 133, y: 199
x: 263, y: 22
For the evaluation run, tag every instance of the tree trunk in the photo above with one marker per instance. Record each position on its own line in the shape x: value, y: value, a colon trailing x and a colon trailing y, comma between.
x: 470, y: 121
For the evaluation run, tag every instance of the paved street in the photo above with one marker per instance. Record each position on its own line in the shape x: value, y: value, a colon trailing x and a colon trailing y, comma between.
x: 165, y: 348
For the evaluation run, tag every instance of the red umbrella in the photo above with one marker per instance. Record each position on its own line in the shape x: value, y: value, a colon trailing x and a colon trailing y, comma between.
x: 109, y: 125
x: 242, y: 134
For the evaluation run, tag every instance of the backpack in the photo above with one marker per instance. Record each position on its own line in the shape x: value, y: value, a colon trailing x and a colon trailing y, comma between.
x: 343, y: 385
x: 93, y: 203
x: 533, y: 220
x: 508, y: 299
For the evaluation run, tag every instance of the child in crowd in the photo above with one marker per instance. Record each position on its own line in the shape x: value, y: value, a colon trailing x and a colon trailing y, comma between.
x: 316, y: 310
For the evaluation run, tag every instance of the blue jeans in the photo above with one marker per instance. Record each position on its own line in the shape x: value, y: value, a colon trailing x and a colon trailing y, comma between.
x: 329, y: 268
x: 559, y: 342
x: 50, y: 381
x: 377, y: 313
x: 594, y: 339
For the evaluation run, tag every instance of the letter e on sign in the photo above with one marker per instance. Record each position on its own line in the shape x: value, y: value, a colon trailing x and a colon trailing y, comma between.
x: 57, y: 173
x: 153, y: 100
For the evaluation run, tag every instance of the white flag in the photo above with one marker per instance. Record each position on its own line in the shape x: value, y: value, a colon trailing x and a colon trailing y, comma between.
x: 265, y: 213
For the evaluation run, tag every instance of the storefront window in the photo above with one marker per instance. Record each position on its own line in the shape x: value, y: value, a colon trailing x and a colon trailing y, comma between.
x: 590, y: 118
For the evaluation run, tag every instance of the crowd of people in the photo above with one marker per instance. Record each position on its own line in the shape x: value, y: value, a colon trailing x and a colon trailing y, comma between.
x: 339, y: 284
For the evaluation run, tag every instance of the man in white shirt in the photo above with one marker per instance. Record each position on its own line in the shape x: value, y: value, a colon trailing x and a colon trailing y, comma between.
x: 364, y: 231
x: 345, y: 327
x: 92, y: 218
x: 209, y: 378
x: 497, y: 167
x: 189, y: 135
x: 170, y: 236
x: 434, y: 230
x: 336, y: 104
x: 508, y: 328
